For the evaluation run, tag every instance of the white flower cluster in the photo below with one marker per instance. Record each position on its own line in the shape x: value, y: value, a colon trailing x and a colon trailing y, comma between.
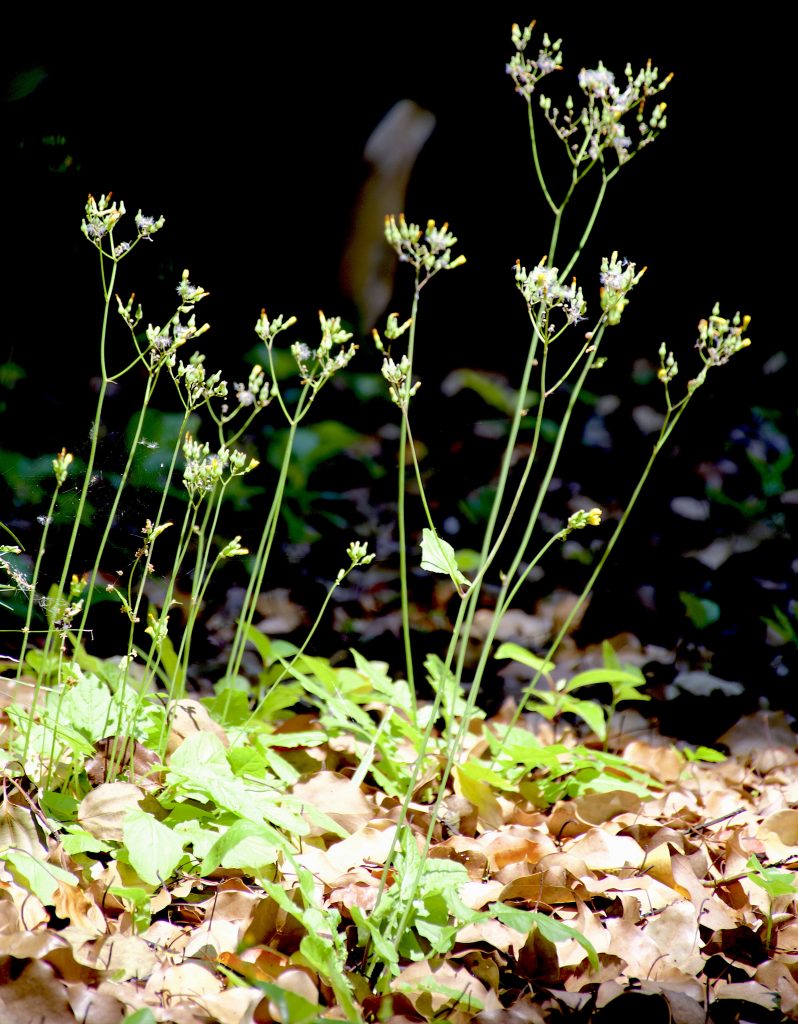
x: 544, y: 293
x: 526, y: 72
x: 429, y: 250
x: 203, y: 470
x: 317, y: 366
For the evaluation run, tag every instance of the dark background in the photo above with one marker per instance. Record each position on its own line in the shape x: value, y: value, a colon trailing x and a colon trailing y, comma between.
x: 247, y: 134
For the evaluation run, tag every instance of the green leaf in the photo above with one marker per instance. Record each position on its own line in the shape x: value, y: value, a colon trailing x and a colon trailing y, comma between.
x: 61, y: 806
x: 244, y: 845
x: 613, y: 676
x: 703, y: 754
x: 524, y: 657
x: 144, y: 1016
x: 429, y: 983
x: 555, y: 931
x: 775, y: 883
x: 154, y: 849
x: 700, y: 610
x: 78, y: 840
x: 87, y: 708
x: 386, y: 951
x: 41, y: 878
x: 438, y: 555
x: 292, y: 1008
x: 261, y: 643
x: 589, y: 712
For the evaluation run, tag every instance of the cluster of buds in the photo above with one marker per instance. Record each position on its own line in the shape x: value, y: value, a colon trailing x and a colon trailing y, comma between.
x: 203, y: 470
x: 398, y: 376
x: 64, y: 610
x: 61, y: 466
x: 543, y: 293
x: 668, y: 367
x: 158, y: 628
x: 358, y: 555
x: 189, y: 294
x: 429, y: 250
x: 102, y: 216
x: 317, y: 366
x: 579, y: 520
x: 525, y: 72
x: 618, y: 278
x: 151, y: 532
x: 393, y: 330
x: 164, y: 340
x: 267, y: 330
x: 255, y: 392
x: 199, y: 386
x: 233, y: 548
x: 601, y: 119
x: 607, y: 104
x: 718, y: 340
x: 17, y: 578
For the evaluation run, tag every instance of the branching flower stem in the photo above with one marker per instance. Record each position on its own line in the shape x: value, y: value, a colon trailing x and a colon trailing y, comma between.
x: 400, y: 510
x: 269, y: 531
x: 673, y: 416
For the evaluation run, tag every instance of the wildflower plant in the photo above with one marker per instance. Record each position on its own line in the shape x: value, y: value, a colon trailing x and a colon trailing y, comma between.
x: 232, y: 804
x: 596, y: 137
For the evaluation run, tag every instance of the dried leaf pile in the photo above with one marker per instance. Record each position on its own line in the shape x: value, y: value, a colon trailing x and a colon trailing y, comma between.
x: 602, y: 905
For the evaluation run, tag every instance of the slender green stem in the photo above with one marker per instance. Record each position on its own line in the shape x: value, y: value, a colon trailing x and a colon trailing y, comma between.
x: 157, y: 523
x: 605, y: 180
x: 400, y: 510
x: 264, y: 547
x: 34, y: 581
x: 151, y: 382
x: 667, y: 429
x: 108, y: 289
x: 536, y: 160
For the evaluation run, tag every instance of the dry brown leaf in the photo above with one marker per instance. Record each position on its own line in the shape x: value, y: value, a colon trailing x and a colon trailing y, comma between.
x: 764, y: 738
x: 20, y: 829
x: 570, y: 818
x: 664, y: 763
x: 338, y: 798
x: 778, y: 834
x: 36, y: 995
x: 477, y: 895
x: 233, y: 1006
x: 410, y: 981
x: 675, y: 932
x: 354, y: 891
x: 90, y: 1006
x: 125, y: 757
x: 533, y: 889
x: 602, y: 851
x: 20, y: 910
x: 123, y: 957
x: 778, y: 978
x: 465, y: 851
x: 74, y: 904
x: 24, y: 944
x: 188, y: 717
x: 178, y: 982
x: 300, y: 983
x: 213, y: 938
x: 367, y: 845
x: 256, y: 963
x: 516, y: 844
x: 102, y: 811
x: 746, y: 992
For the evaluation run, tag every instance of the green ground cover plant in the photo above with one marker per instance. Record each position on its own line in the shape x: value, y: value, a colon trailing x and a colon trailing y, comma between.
x: 313, y: 840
